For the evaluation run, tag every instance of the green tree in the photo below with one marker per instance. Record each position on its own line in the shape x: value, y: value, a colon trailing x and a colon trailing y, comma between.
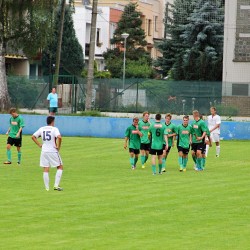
x: 130, y: 23
x: 203, y: 35
x: 72, y: 61
x: 172, y: 48
x: 24, y: 24
x: 194, y: 49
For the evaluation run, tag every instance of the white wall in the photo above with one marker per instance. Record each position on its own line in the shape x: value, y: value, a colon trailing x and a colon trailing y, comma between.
x: 82, y: 22
x: 233, y: 72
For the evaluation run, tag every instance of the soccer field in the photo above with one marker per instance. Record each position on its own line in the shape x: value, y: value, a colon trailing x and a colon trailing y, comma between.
x: 106, y: 205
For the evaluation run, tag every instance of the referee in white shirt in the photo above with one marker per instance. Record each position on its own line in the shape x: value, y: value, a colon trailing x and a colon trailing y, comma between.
x: 214, y: 123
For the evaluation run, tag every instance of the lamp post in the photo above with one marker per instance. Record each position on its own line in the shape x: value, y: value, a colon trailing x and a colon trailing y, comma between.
x: 183, y: 106
x: 193, y: 101
x: 125, y: 36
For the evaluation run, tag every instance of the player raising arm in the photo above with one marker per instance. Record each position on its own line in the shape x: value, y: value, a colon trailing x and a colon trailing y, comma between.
x: 50, y: 157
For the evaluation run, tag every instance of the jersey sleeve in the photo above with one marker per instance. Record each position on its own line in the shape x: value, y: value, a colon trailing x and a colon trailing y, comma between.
x: 38, y: 133
x: 218, y: 120
x: 21, y: 123
x: 127, y: 132
x: 56, y: 132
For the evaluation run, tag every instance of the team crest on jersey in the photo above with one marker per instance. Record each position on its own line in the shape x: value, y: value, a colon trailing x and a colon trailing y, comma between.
x: 185, y: 132
x: 195, y: 126
x: 158, y: 125
x: 134, y: 131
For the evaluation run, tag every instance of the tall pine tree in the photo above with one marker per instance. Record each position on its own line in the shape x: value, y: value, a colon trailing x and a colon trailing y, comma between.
x: 194, y: 51
x: 72, y: 61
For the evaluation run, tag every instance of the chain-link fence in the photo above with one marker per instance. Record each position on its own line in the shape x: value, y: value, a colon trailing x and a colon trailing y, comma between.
x: 177, y: 97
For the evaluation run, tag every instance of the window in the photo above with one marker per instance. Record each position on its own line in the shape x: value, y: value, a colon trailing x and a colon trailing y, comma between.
x: 156, y: 23
x: 149, y: 27
x: 98, y: 34
x: 240, y: 89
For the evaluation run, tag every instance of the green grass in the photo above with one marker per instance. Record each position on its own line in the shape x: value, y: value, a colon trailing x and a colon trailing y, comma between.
x: 105, y: 205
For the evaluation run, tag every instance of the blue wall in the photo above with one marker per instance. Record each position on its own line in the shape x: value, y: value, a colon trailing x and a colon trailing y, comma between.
x: 109, y: 127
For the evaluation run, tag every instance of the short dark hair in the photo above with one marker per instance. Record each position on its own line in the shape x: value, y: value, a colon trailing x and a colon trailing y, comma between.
x: 12, y: 110
x: 158, y: 117
x: 50, y: 119
x: 186, y: 117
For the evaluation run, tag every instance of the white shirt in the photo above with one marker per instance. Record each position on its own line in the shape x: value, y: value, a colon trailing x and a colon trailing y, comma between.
x: 212, y: 122
x: 49, y: 135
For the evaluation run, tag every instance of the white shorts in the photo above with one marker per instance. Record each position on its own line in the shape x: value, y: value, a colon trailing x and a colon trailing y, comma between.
x: 48, y: 159
x: 215, y: 137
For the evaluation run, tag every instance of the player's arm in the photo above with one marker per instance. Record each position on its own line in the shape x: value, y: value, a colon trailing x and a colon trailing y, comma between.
x: 138, y: 131
x: 166, y: 141
x: 59, y: 142
x: 201, y: 137
x: 8, y: 131
x: 126, y: 142
x: 19, y: 132
x: 215, y: 127
x: 33, y: 137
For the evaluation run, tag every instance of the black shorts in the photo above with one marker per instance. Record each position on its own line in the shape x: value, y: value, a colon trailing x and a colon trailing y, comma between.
x: 183, y: 150
x: 15, y: 141
x: 135, y: 151
x: 145, y: 146
x: 164, y: 146
x: 53, y: 109
x: 197, y: 146
x: 156, y: 151
x: 203, y: 151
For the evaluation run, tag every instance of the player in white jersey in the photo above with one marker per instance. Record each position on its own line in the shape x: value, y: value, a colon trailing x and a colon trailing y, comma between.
x: 50, y: 157
x: 214, y: 123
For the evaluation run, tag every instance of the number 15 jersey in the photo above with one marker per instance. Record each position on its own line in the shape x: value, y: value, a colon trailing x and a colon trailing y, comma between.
x: 49, y: 135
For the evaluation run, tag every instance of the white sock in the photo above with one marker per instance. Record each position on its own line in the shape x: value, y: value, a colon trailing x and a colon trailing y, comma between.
x: 207, y: 148
x: 46, y: 179
x: 217, y: 150
x: 58, y: 177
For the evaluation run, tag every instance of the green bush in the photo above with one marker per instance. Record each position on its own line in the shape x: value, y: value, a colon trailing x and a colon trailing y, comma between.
x: 227, y: 110
x: 23, y: 93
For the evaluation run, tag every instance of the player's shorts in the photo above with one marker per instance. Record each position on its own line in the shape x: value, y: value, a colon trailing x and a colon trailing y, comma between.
x: 185, y: 151
x: 197, y: 146
x: 50, y: 159
x: 135, y: 151
x: 215, y: 137
x: 145, y: 146
x: 156, y: 151
x: 164, y: 146
x: 53, y: 109
x: 17, y: 142
x: 203, y: 151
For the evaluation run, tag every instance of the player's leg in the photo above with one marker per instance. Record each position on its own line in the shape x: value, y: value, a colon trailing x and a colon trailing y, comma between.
x: 143, y: 155
x: 19, y: 155
x: 160, y: 162
x: 180, y: 159
x: 46, y: 177
x: 147, y: 153
x: 8, y: 150
x: 199, y: 159
x: 58, y: 178
x: 217, y: 143
x: 136, y: 152
x: 185, y: 160
x: 153, y: 161
x: 164, y: 159
x: 132, y: 158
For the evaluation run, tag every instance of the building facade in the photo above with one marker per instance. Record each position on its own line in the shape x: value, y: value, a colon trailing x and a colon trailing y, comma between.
x: 236, y: 60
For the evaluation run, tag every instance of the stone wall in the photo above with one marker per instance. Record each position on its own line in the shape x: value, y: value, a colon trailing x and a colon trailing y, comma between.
x: 242, y: 103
